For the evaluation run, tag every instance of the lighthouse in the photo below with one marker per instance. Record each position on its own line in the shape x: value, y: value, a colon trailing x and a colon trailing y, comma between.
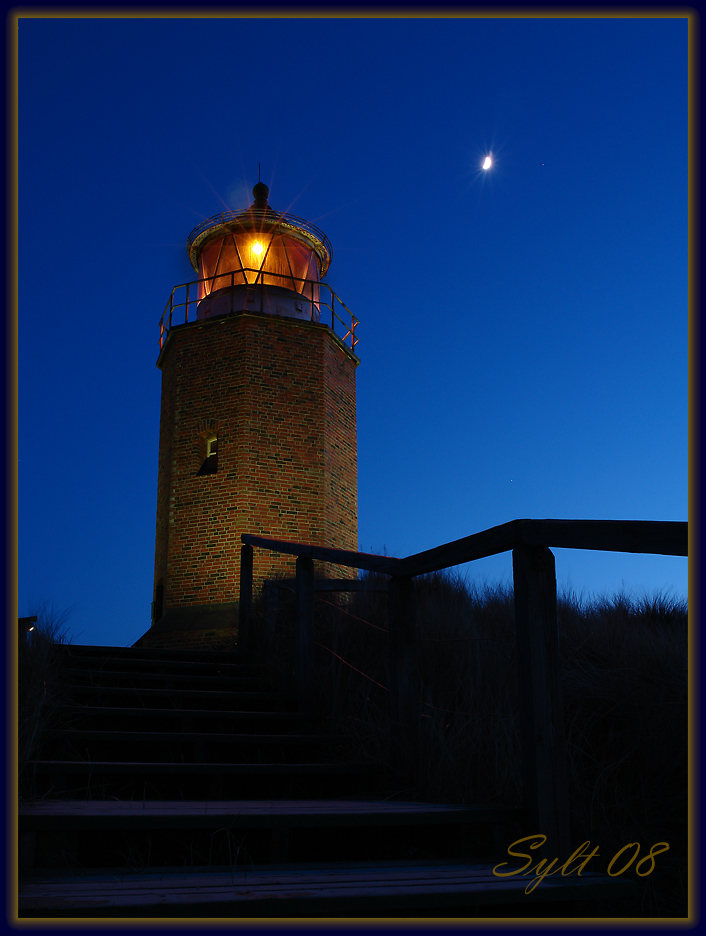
x: 258, y: 417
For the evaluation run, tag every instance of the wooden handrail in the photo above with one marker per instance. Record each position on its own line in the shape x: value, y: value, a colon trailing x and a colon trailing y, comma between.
x: 534, y: 580
x: 663, y: 537
x: 356, y: 560
x: 660, y: 537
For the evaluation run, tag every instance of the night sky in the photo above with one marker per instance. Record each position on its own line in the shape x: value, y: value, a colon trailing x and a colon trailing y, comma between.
x: 523, y: 331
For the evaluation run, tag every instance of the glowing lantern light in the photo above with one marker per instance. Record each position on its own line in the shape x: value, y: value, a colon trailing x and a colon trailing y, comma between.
x: 259, y: 259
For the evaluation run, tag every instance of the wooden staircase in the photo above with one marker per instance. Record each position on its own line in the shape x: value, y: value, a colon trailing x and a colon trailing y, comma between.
x: 179, y: 784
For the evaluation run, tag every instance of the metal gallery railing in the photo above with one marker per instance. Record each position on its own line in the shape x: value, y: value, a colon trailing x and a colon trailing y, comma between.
x: 184, y: 300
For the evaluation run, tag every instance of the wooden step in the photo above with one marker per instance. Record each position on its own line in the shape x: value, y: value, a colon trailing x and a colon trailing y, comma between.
x: 199, y: 668
x: 170, y: 721
x: 224, y: 747
x: 175, y: 768
x: 220, y: 699
x: 170, y: 779
x: 111, y: 814
x: 81, y: 736
x: 163, y: 680
x: 153, y: 653
x: 338, y: 889
x: 73, y: 713
x: 100, y: 833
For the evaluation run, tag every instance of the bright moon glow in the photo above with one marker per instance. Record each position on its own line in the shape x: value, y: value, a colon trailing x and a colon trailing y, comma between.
x: 257, y: 248
x: 487, y: 163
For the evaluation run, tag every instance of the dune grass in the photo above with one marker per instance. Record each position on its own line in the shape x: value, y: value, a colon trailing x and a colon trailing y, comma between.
x: 625, y: 692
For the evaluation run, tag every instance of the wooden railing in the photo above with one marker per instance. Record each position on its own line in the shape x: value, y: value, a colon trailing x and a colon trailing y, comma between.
x: 534, y: 578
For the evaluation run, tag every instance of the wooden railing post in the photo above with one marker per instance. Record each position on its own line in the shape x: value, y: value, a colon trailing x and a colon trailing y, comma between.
x: 405, y: 696
x: 245, y: 603
x: 304, y: 671
x: 270, y: 594
x: 540, y: 698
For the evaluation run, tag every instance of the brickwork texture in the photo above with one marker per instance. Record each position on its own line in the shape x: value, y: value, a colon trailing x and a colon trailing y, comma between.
x: 279, y: 395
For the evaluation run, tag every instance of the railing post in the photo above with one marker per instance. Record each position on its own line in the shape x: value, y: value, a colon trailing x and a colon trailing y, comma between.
x: 405, y: 696
x: 245, y: 603
x: 541, y: 719
x: 270, y: 592
x: 304, y: 671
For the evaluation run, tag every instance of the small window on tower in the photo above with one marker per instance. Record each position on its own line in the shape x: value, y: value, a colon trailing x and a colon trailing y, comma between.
x: 210, y: 464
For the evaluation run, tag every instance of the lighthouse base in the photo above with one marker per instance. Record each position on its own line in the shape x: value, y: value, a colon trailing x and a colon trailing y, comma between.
x: 197, y: 627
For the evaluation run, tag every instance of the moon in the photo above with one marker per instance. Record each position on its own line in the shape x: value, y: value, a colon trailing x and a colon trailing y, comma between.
x: 487, y: 162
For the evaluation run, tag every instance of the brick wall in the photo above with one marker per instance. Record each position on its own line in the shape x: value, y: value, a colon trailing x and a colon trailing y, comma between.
x: 280, y: 395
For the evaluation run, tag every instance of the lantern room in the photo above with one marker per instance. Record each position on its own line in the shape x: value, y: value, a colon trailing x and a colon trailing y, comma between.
x: 259, y: 260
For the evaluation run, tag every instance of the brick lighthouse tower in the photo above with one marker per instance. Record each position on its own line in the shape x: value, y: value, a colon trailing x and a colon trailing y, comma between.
x: 258, y: 417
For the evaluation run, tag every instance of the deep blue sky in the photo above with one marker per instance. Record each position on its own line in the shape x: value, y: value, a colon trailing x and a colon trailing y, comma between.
x: 523, y: 332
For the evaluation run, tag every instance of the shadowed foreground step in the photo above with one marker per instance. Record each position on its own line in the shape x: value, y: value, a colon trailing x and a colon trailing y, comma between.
x: 157, y: 780
x: 175, y: 792
x: 129, y: 814
x: 348, y: 888
x: 97, y: 834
